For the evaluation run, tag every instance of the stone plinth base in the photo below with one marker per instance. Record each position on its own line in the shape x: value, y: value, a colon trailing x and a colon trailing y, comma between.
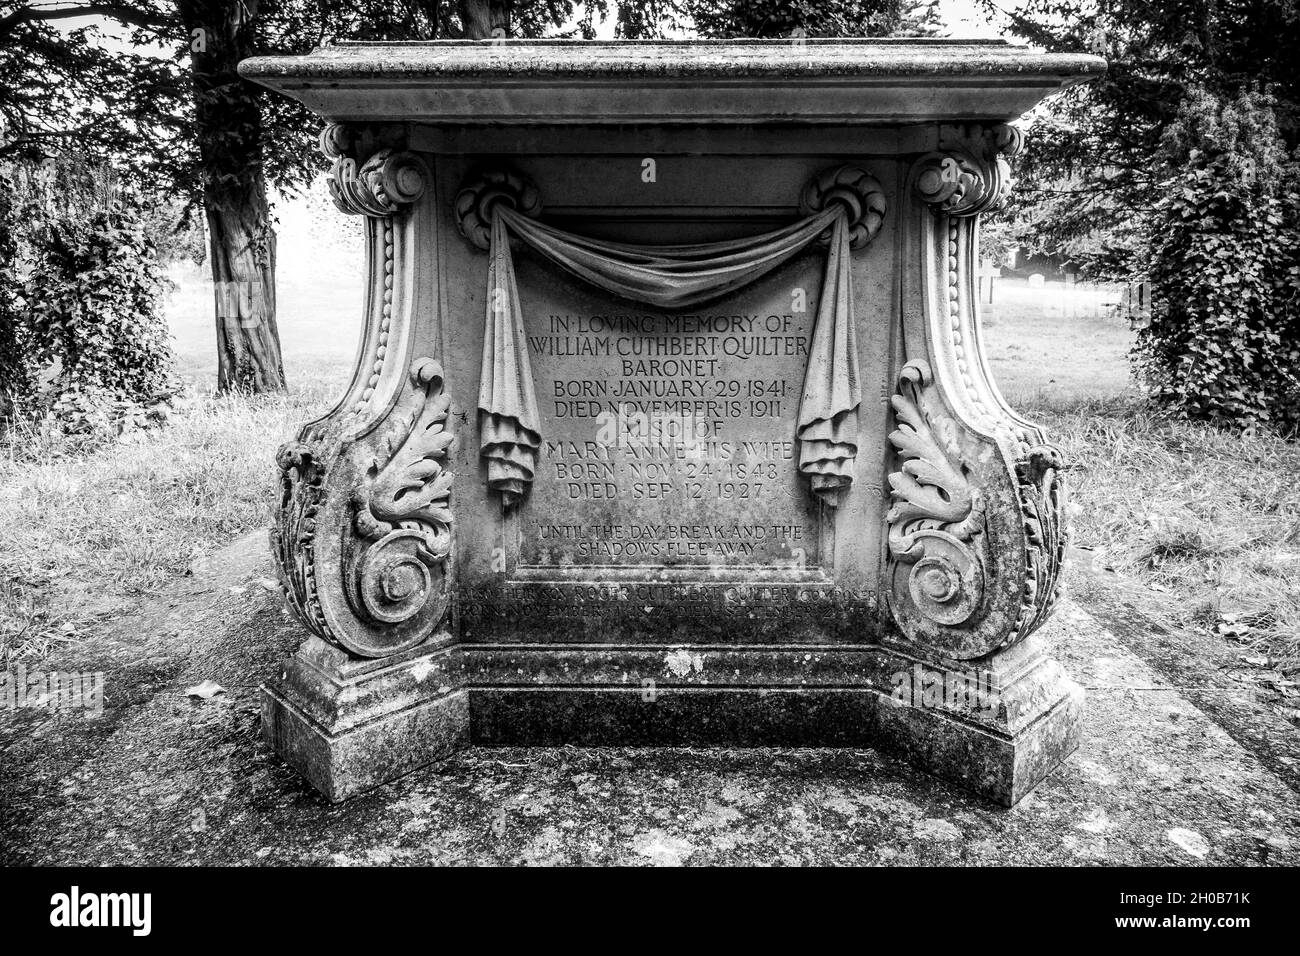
x: 348, y: 726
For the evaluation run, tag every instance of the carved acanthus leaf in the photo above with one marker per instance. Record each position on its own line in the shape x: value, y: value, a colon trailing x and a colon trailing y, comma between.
x: 403, y: 516
x: 936, y: 515
x: 930, y: 485
x: 1043, y: 504
x: 293, y: 535
x: 412, y: 488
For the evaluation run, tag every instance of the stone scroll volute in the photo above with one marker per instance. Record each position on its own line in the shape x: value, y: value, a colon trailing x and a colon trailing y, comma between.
x: 976, y: 526
x: 363, y: 527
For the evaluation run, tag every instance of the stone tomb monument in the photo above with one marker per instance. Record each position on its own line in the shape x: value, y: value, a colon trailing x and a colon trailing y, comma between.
x: 671, y: 422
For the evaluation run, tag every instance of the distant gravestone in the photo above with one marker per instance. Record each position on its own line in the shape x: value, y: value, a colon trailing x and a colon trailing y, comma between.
x: 1137, y: 304
x: 988, y: 272
x: 670, y: 424
x: 1036, y: 280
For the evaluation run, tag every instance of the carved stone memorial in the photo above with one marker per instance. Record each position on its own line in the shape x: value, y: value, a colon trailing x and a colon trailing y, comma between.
x: 671, y: 422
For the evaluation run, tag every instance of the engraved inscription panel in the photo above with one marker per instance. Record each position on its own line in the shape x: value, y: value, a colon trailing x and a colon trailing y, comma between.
x: 669, y: 436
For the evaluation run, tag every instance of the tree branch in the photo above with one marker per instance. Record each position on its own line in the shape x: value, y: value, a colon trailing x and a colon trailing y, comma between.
x: 122, y: 14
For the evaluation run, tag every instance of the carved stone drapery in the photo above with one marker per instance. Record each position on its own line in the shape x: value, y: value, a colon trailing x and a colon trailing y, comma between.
x: 977, y: 528
x: 844, y: 206
x: 828, y: 407
x: 509, y: 423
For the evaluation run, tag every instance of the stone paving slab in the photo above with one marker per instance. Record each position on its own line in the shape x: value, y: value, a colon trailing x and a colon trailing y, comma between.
x: 163, y: 778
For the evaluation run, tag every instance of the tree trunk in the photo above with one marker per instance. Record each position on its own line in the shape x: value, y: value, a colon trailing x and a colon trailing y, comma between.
x: 241, y: 246
x: 241, y: 240
x: 484, y: 19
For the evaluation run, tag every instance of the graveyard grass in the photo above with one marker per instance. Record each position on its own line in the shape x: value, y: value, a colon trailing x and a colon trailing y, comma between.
x: 1198, y: 527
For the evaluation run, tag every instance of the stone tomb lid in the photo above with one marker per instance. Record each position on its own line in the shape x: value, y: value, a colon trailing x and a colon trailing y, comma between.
x: 788, y: 81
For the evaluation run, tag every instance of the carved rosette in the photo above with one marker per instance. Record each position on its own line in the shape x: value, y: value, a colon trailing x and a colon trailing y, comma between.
x: 474, y: 202
x: 855, y: 189
x: 977, y: 528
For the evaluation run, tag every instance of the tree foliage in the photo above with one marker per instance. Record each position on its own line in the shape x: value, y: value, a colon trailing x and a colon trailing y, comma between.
x: 1224, y: 259
x: 1089, y: 174
x: 153, y: 113
x: 783, y: 18
x: 1175, y: 168
x: 163, y: 101
x: 90, y: 345
x: 11, y: 361
x: 182, y: 122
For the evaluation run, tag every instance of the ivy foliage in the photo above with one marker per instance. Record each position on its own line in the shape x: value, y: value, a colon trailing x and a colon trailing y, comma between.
x: 11, y: 362
x: 1223, y: 344
x: 89, y: 350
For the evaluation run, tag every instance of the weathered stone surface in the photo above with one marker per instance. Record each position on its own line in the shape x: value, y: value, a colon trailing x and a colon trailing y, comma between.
x: 351, y: 725
x: 668, y: 432
x: 164, y: 779
x: 795, y: 81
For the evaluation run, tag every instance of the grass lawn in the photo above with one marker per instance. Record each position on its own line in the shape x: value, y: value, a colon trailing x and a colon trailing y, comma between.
x: 1203, y: 524
x: 1051, y: 346
x: 88, y: 534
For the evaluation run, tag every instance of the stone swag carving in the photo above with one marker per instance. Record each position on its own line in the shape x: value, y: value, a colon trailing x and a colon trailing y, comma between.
x: 843, y: 207
x: 951, y: 545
